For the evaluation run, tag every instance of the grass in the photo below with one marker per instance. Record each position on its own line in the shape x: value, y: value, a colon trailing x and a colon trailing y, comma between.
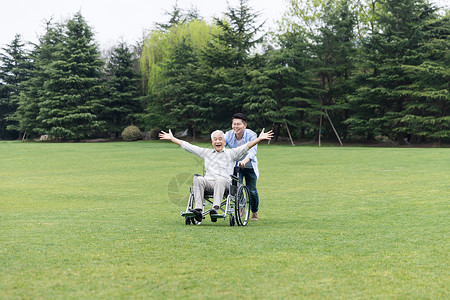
x: 98, y: 221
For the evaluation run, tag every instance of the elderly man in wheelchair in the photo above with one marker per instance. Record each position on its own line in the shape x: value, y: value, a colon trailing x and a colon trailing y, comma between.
x: 219, y: 183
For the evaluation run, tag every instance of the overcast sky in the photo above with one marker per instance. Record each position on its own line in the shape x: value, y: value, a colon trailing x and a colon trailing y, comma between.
x: 113, y: 20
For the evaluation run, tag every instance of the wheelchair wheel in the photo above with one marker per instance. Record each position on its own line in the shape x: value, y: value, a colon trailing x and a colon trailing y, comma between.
x: 242, y: 207
x: 232, y: 220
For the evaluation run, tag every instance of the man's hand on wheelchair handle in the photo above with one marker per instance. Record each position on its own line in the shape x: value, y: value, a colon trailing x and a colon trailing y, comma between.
x: 243, y: 162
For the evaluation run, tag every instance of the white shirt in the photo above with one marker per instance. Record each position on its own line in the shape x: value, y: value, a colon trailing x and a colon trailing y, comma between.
x: 217, y: 164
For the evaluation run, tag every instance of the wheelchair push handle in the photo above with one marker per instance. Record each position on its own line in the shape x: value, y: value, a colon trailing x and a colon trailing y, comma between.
x: 235, y: 177
x: 236, y: 170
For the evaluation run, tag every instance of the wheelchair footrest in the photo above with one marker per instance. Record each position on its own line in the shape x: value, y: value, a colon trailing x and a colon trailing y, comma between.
x: 219, y: 216
x: 187, y: 214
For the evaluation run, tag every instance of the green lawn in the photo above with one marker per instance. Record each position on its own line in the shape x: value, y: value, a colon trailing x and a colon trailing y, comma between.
x: 98, y: 221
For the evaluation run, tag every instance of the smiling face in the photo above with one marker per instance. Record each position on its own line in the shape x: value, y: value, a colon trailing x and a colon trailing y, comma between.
x: 238, y: 126
x: 218, y: 140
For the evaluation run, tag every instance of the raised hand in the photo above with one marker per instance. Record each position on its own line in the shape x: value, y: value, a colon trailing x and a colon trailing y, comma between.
x: 266, y: 135
x: 166, y: 135
x: 169, y: 136
x: 262, y: 136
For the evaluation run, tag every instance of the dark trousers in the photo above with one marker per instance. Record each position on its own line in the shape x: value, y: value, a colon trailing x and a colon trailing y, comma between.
x: 250, y: 182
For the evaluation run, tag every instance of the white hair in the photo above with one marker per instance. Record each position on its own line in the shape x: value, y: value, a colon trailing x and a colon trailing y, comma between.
x: 217, y: 132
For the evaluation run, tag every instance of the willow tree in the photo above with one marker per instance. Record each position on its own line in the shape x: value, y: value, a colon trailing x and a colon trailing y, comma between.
x: 159, y: 46
x: 158, y: 50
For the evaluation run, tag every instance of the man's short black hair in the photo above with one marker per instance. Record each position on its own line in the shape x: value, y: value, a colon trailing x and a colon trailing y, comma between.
x: 240, y: 116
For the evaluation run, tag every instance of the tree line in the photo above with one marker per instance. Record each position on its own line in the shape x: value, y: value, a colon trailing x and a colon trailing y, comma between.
x: 64, y: 88
x: 355, y: 69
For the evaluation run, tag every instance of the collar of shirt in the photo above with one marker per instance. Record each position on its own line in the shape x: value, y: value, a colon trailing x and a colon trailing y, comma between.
x: 233, y: 140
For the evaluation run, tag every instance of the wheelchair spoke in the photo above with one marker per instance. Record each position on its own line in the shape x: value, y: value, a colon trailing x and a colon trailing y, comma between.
x: 242, y: 207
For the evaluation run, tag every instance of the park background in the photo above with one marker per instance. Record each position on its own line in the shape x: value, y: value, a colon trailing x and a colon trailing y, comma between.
x: 102, y: 220
x: 357, y: 70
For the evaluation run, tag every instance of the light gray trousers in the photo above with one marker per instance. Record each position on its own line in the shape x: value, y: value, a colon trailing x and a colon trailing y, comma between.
x: 219, y: 186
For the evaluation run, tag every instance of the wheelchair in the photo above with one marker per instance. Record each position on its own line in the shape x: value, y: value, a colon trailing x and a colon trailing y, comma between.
x: 235, y: 204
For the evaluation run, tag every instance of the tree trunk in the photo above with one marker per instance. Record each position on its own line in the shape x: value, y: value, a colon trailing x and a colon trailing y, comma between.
x: 289, y: 133
x: 334, y: 129
x: 320, y: 129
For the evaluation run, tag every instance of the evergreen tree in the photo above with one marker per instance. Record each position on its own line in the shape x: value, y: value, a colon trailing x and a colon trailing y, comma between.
x: 43, y: 55
x: 73, y: 89
x: 226, y: 60
x: 378, y: 107
x: 237, y: 37
x: 334, y: 49
x: 178, y: 16
x: 427, y: 113
x: 182, y: 92
x: 123, y: 92
x: 4, y: 111
x: 283, y: 92
x: 15, y: 69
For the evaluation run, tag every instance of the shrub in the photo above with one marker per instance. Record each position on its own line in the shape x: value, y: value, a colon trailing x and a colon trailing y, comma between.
x: 131, y: 133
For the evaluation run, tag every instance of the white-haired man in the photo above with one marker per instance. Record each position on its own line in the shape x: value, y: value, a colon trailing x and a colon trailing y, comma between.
x: 219, y: 163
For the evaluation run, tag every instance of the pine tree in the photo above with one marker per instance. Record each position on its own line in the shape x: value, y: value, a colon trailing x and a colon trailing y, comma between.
x: 183, y: 91
x: 427, y: 113
x: 378, y: 106
x: 43, y: 55
x: 282, y: 91
x: 73, y: 89
x: 15, y: 69
x: 334, y: 49
x: 178, y: 16
x: 227, y: 59
x: 123, y: 92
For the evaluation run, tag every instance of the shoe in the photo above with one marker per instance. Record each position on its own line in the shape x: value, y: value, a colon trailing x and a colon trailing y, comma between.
x: 198, y: 214
x: 213, y: 211
x: 255, y: 216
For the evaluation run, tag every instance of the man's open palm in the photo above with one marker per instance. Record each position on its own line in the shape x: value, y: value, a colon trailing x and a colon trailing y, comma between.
x: 266, y: 135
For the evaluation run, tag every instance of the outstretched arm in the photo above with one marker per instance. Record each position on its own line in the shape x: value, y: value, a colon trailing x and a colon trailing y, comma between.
x: 262, y: 136
x: 169, y: 136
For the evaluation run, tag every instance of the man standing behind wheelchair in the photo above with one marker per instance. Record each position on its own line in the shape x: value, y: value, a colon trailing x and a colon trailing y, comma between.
x: 219, y: 164
x: 236, y: 137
